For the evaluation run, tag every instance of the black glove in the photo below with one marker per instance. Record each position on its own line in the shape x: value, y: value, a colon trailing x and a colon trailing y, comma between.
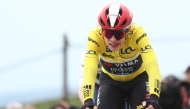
x: 154, y: 103
x: 153, y: 100
x: 88, y: 103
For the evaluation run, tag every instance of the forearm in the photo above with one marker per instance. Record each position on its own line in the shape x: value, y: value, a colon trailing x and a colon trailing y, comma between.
x: 80, y: 94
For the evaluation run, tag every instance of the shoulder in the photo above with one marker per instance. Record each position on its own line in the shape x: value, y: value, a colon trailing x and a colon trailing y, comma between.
x: 96, y: 30
x: 95, y: 36
x: 137, y: 33
x: 135, y: 28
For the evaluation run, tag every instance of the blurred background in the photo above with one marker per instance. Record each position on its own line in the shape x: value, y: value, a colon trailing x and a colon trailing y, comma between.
x: 32, y: 42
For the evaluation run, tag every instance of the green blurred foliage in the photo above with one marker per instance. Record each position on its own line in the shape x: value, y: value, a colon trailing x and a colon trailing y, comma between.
x: 75, y: 101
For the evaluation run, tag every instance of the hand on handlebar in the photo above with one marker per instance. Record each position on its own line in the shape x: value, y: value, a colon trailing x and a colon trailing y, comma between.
x: 88, y: 104
x: 151, y: 104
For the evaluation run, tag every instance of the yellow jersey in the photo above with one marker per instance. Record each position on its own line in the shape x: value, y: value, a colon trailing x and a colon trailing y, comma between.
x: 135, y: 57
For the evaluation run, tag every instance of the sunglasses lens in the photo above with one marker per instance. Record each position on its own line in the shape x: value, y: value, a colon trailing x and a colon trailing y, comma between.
x: 117, y: 34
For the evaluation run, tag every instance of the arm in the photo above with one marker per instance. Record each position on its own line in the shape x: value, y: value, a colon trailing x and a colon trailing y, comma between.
x: 90, y: 66
x: 150, y: 65
x: 80, y: 94
x: 149, y: 61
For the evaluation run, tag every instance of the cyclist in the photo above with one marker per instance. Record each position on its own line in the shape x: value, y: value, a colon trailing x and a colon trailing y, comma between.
x: 129, y: 65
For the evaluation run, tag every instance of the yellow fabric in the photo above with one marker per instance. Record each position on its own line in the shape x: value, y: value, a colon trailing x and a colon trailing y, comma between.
x: 135, y: 57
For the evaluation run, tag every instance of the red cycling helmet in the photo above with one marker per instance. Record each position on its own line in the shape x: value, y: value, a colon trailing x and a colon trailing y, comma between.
x: 115, y: 16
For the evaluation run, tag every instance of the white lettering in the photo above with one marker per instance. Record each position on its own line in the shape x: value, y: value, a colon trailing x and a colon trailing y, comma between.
x: 130, y: 63
x: 121, y: 70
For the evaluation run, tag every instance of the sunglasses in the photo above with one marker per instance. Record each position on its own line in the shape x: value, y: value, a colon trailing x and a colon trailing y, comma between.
x: 117, y: 34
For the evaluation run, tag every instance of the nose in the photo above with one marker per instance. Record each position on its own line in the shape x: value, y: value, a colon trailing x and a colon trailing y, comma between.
x: 113, y: 38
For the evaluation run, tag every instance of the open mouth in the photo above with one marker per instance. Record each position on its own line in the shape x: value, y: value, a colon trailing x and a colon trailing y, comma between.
x: 113, y: 44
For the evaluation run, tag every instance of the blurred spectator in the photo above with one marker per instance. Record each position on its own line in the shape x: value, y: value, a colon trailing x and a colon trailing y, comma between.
x: 14, y: 105
x: 63, y: 105
x: 185, y: 89
x: 170, y: 97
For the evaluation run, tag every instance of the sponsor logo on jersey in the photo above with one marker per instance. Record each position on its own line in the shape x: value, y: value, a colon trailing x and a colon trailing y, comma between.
x: 98, y: 97
x: 109, y: 56
x: 87, y: 91
x: 128, y: 50
x: 157, y: 86
x: 108, y: 64
x: 147, y: 86
x: 130, y: 32
x: 91, y: 52
x: 125, y: 68
x: 100, y: 33
x: 140, y: 107
x: 147, y: 47
x: 137, y: 41
x: 93, y: 41
x: 107, y: 49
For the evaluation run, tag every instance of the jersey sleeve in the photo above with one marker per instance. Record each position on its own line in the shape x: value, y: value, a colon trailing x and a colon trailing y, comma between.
x: 149, y: 61
x: 81, y: 76
x: 91, y: 65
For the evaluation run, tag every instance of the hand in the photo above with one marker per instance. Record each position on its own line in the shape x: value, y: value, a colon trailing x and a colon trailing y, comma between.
x: 95, y: 107
x: 88, y: 104
x: 151, y: 104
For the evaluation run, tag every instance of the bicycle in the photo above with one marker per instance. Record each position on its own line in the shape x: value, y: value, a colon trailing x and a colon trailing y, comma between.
x: 127, y: 100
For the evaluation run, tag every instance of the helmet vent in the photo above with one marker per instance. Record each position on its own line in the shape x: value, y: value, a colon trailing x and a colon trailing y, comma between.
x: 124, y: 22
x: 108, y: 22
x: 120, y: 12
x: 116, y: 23
x: 101, y: 21
x: 107, y: 12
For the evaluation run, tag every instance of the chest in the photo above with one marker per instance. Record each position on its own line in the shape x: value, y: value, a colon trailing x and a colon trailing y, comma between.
x: 128, y: 51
